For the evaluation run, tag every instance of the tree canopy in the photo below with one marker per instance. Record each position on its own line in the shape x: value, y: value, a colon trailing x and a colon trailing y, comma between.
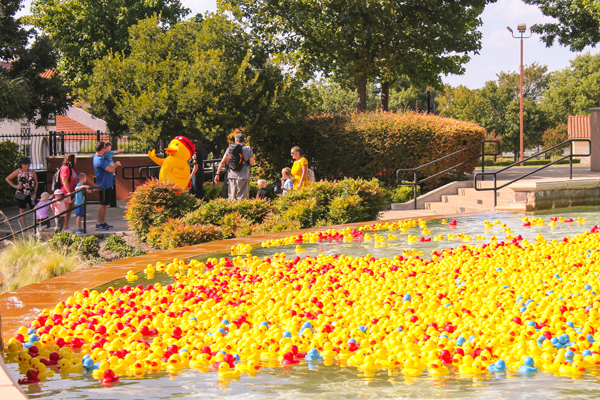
x: 199, y: 79
x: 577, y: 22
x: 352, y: 42
x: 573, y: 90
x: 496, y: 106
x: 29, y: 88
x: 88, y: 30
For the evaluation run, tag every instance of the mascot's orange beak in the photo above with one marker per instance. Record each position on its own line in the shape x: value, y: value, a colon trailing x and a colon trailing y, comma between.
x: 170, y: 151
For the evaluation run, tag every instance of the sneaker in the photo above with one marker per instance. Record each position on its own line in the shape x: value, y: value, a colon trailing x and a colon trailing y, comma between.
x: 102, y: 227
x: 79, y: 231
x: 108, y: 226
x: 69, y: 231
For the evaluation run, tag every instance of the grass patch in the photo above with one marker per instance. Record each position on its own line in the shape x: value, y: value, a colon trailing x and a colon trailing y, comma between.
x: 29, y: 260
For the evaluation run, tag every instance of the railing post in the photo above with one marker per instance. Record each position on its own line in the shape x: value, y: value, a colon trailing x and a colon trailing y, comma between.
x: 495, y: 192
x: 98, y: 137
x: 415, y: 188
x: 62, y: 142
x: 483, y: 159
x: 571, y: 160
x: 84, y: 212
x: 51, y: 150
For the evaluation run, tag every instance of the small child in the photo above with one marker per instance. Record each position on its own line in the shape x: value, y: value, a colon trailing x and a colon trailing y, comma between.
x: 262, y: 192
x: 108, y: 155
x: 288, y: 182
x: 42, y: 213
x: 57, y: 208
x: 82, y: 180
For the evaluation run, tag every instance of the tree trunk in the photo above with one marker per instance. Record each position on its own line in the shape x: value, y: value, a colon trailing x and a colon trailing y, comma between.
x: 361, y: 102
x: 385, y: 95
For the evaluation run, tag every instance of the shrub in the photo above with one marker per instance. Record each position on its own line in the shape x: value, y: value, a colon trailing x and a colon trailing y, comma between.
x: 30, y: 260
x: 177, y: 233
x: 120, y: 248
x: 235, y: 225
x: 212, y: 191
x: 153, y: 203
x: 554, y: 136
x: 375, y: 144
x: 402, y: 194
x: 274, y: 223
x: 345, y: 209
x: 304, y: 211
x: 87, y: 247
x: 213, y: 212
x: 10, y: 156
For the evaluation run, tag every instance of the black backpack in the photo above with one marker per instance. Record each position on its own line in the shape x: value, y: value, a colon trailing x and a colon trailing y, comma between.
x: 56, y: 181
x: 236, y: 159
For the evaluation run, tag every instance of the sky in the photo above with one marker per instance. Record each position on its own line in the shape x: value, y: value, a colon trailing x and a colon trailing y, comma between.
x: 499, y: 52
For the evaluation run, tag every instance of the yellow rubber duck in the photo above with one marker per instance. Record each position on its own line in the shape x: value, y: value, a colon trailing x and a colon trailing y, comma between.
x: 412, y: 367
x: 357, y: 359
x: 436, y: 368
x: 43, y: 371
x: 131, y: 277
x: 369, y: 367
x: 175, y: 363
x: 175, y: 167
x: 251, y: 367
x: 137, y: 368
x: 226, y: 372
x: 573, y: 369
x: 201, y: 361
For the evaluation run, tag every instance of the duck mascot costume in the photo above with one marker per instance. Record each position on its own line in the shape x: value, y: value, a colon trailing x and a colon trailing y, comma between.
x: 175, y: 167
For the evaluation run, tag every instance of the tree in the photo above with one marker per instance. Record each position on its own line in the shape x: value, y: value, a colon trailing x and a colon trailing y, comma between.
x: 577, y: 22
x: 29, y: 88
x: 496, y: 107
x: 200, y: 80
x: 352, y: 42
x: 88, y: 30
x: 573, y: 90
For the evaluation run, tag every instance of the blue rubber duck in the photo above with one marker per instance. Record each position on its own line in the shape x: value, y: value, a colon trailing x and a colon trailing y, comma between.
x: 89, y: 365
x: 527, y: 367
x: 498, y: 366
x: 313, y: 355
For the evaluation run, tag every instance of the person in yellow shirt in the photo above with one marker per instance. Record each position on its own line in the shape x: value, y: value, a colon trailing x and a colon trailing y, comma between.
x: 299, y: 169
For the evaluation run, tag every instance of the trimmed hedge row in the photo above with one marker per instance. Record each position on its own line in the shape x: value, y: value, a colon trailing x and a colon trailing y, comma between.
x: 373, y: 144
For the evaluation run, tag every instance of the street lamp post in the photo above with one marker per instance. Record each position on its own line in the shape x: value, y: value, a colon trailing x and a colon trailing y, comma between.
x: 521, y: 28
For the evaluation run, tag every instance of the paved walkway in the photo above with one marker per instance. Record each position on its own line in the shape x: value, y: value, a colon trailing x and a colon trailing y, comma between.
x: 114, y: 217
x: 558, y: 171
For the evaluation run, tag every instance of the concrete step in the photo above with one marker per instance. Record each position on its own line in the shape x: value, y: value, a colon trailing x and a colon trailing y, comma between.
x: 448, y: 208
x: 503, y: 195
x: 468, y: 200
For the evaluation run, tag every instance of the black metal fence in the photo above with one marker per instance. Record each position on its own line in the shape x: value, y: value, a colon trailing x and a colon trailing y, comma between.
x: 38, y: 146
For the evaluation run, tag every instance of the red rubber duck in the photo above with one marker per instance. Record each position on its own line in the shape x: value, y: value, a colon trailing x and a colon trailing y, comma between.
x: 109, y: 377
x: 288, y: 358
x: 32, y: 377
x: 51, y: 360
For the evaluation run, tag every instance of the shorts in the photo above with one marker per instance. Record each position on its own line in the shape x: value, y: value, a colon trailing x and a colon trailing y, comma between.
x: 25, y: 202
x: 108, y: 194
x: 79, y: 211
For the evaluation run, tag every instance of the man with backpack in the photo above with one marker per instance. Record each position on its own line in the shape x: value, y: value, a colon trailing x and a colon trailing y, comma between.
x: 239, y: 158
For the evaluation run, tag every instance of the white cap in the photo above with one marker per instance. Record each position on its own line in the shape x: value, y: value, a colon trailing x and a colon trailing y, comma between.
x: 58, y: 191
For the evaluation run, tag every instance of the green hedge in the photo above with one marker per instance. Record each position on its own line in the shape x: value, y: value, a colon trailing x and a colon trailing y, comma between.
x: 372, y: 144
x: 490, y: 163
x: 10, y: 156
x: 319, y: 204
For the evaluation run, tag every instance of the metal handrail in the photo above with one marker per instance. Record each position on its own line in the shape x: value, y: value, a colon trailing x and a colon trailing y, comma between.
x: 494, y: 174
x: 149, y: 168
x: 416, y: 182
x: 43, y: 221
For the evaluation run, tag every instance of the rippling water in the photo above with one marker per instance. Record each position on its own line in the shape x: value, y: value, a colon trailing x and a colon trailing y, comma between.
x: 337, y: 382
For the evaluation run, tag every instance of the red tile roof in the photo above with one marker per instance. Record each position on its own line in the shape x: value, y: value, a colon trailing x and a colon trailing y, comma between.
x: 49, y: 73
x: 579, y: 127
x: 66, y: 124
